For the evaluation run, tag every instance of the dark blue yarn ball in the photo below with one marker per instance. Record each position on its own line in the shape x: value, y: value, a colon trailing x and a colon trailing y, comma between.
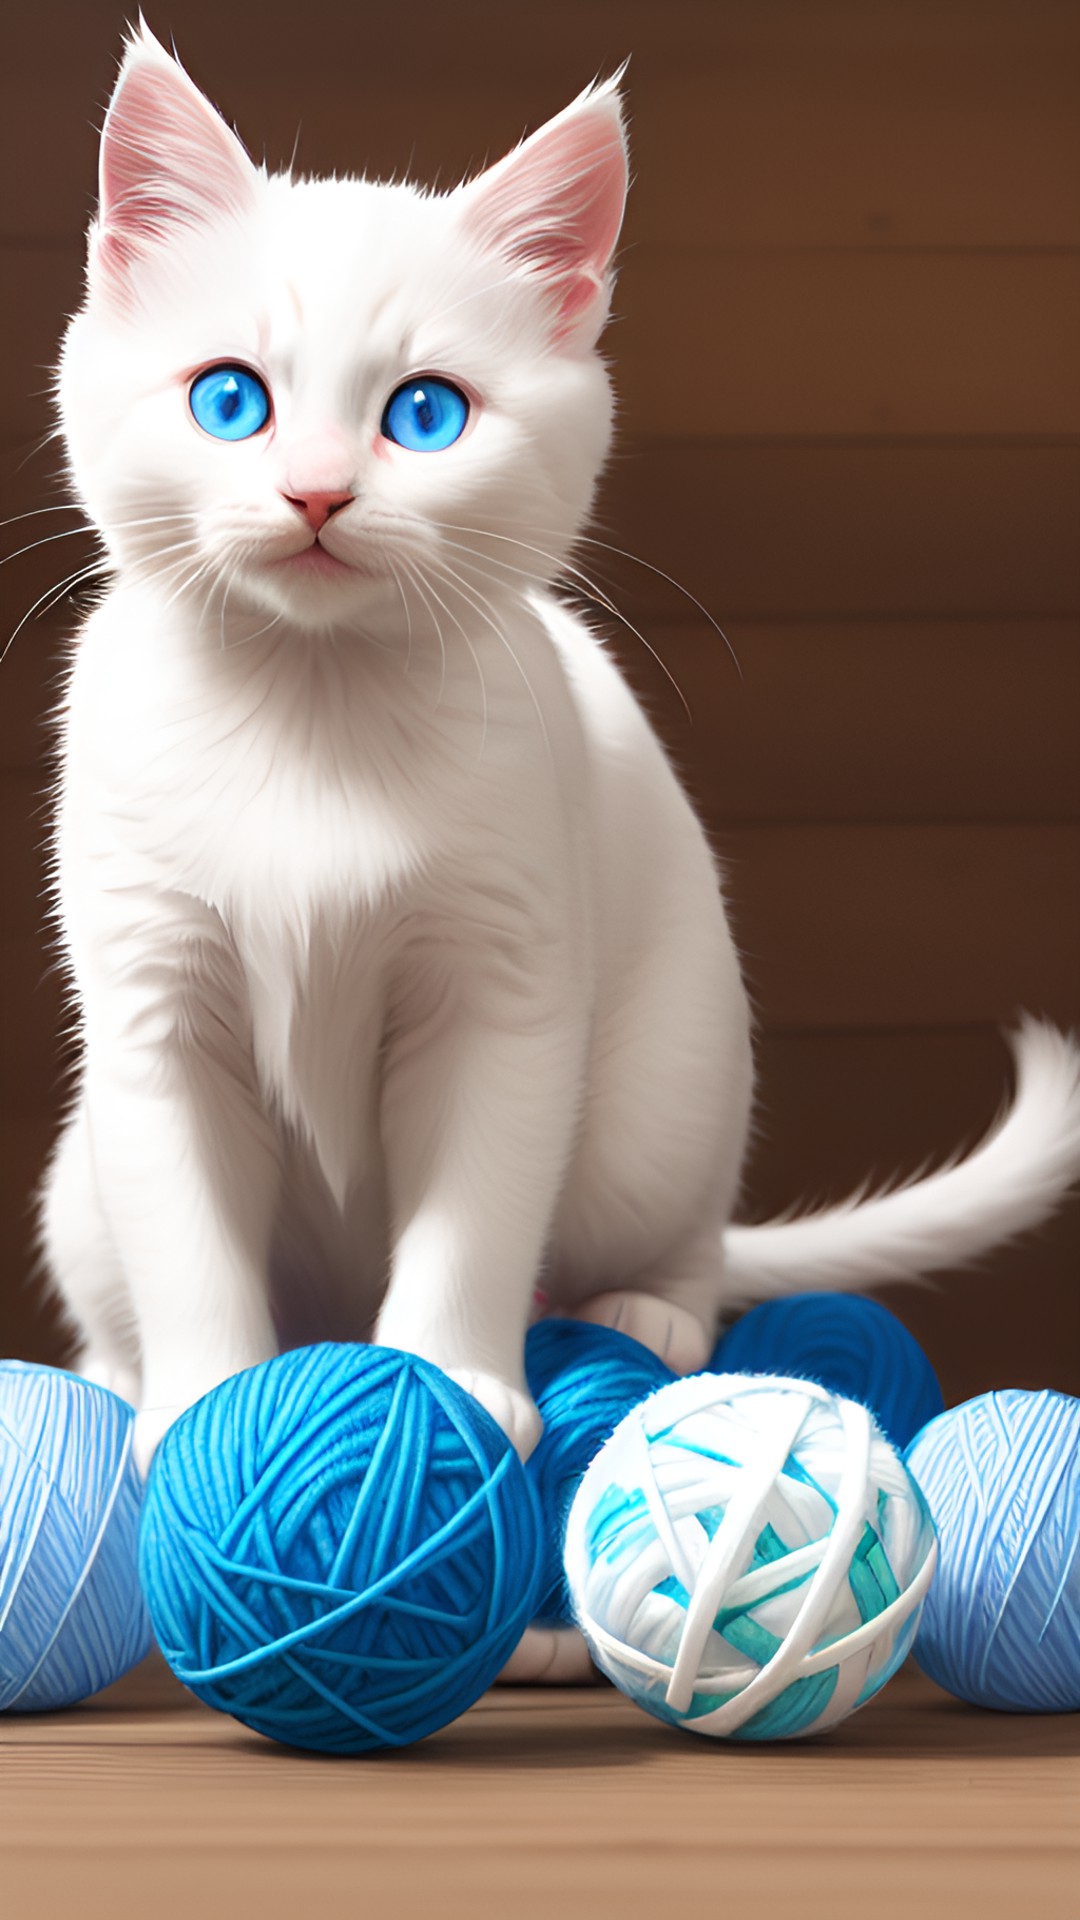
x: 852, y: 1345
x: 340, y: 1548
x: 1001, y: 1624
x: 584, y: 1379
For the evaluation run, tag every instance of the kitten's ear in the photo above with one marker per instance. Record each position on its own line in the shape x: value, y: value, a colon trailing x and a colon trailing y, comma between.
x: 167, y: 162
x: 554, y: 206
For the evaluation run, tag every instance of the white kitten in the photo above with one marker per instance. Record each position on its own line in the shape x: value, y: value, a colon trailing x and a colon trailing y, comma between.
x: 400, y: 958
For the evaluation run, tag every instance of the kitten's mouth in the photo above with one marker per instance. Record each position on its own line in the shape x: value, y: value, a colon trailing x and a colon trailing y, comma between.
x: 317, y: 560
x: 314, y: 559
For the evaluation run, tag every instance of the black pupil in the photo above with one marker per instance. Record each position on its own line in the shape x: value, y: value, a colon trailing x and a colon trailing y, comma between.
x: 425, y: 412
x: 230, y: 399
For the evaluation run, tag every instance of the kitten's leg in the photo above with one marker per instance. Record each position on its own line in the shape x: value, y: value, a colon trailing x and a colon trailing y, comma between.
x: 477, y: 1124
x: 649, y: 1191
x: 81, y: 1258
x: 187, y: 1168
x: 638, y: 1235
x: 188, y: 1181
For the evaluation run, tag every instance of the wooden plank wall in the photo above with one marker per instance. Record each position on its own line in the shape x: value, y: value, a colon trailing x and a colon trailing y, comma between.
x: 848, y: 320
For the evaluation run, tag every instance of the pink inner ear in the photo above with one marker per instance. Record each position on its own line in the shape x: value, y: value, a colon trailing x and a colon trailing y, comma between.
x: 556, y: 205
x: 167, y: 160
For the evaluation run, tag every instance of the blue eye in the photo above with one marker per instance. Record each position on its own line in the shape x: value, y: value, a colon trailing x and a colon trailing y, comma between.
x: 229, y: 402
x: 425, y: 416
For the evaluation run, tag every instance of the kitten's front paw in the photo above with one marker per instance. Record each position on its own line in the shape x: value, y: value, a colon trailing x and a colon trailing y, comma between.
x: 670, y: 1331
x: 515, y: 1412
x: 549, y: 1657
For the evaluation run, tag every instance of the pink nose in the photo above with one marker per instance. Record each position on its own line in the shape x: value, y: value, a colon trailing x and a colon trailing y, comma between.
x: 316, y: 508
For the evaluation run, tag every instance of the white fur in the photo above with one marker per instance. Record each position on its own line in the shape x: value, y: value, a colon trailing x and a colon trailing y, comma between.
x: 400, y: 958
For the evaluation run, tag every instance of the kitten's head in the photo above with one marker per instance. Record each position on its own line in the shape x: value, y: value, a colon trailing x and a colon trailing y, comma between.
x: 311, y: 390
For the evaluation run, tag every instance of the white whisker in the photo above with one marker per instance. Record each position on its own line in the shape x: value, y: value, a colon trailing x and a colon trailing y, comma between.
x: 480, y: 672
x: 71, y: 533
x: 408, y: 616
x: 592, y: 592
x: 186, y: 585
x: 58, y: 587
x: 249, y: 637
x: 32, y: 512
x: 466, y: 593
x: 230, y: 577
x: 592, y: 540
x: 434, y: 620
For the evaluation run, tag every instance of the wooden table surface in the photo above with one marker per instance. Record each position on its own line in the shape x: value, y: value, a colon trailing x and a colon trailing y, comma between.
x: 540, y: 1805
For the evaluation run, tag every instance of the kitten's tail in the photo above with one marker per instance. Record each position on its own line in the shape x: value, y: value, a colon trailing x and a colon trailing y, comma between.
x: 1013, y: 1180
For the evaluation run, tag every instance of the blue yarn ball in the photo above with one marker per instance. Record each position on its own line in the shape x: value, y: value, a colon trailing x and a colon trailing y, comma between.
x: 339, y: 1547
x: 584, y: 1379
x: 72, y: 1619
x: 853, y: 1345
x: 1001, y: 1475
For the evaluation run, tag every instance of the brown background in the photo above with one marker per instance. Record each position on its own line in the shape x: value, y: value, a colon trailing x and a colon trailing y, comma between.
x: 849, y: 313
x: 847, y: 352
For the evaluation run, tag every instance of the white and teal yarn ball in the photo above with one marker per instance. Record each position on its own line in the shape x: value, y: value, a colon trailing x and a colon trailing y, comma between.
x: 748, y: 1555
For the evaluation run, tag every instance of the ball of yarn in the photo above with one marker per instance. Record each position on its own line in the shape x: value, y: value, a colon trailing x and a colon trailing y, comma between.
x: 72, y: 1618
x: 748, y: 1555
x: 846, y: 1342
x: 584, y: 1379
x: 1001, y: 1475
x: 339, y: 1547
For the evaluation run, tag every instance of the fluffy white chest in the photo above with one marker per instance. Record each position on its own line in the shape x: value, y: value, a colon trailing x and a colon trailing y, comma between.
x: 315, y: 810
x: 320, y: 878
x: 352, y: 832
x: 318, y: 999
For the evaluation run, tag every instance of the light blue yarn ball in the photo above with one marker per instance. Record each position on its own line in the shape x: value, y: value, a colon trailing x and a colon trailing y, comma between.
x: 340, y: 1548
x: 851, y: 1344
x: 748, y: 1555
x: 72, y: 1619
x: 1001, y: 1627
